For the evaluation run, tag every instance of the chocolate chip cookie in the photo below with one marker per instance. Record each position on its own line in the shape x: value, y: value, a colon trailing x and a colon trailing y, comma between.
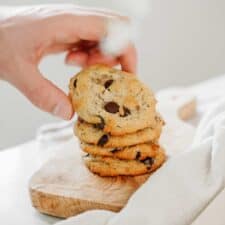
x: 136, y: 152
x: 107, y: 166
x: 115, y: 101
x: 91, y: 134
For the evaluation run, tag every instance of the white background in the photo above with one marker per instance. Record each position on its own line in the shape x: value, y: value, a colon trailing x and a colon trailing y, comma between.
x: 181, y: 42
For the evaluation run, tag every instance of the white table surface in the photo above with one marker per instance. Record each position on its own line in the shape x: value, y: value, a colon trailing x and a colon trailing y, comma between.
x: 16, y: 167
x: 19, y: 163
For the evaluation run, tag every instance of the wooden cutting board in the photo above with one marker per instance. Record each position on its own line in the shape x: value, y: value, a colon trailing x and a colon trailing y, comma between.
x: 64, y: 187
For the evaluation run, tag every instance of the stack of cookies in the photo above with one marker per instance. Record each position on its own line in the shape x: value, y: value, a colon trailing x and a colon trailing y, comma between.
x: 117, y: 125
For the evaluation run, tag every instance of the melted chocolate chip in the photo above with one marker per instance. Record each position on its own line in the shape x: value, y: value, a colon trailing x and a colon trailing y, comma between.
x: 103, y: 140
x: 138, y: 155
x: 100, y: 125
x: 137, y: 107
x: 86, y: 155
x: 75, y: 83
x: 111, y: 107
x: 148, y: 162
x: 126, y: 112
x: 115, y: 150
x: 108, y: 83
x: 80, y: 119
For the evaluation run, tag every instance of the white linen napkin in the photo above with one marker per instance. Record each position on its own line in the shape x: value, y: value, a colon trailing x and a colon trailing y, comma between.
x: 178, y: 192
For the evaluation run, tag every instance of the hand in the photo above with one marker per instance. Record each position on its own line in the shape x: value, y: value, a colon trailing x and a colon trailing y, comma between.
x: 27, y: 34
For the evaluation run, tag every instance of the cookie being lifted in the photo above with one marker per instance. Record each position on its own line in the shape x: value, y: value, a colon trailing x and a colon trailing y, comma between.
x: 115, y: 101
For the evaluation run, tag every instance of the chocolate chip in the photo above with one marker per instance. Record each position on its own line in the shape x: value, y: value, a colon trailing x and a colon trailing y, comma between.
x: 108, y: 83
x: 126, y: 112
x: 148, y: 162
x: 137, y: 107
x: 75, y: 83
x: 100, y: 125
x: 86, y: 155
x: 103, y: 140
x: 115, y: 150
x: 138, y: 155
x: 80, y: 119
x: 112, y: 107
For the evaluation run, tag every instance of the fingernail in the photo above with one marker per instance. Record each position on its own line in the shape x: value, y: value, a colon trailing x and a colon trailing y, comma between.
x: 63, y: 110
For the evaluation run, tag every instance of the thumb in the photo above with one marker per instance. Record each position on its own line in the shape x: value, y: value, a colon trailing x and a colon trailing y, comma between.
x: 44, y: 94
